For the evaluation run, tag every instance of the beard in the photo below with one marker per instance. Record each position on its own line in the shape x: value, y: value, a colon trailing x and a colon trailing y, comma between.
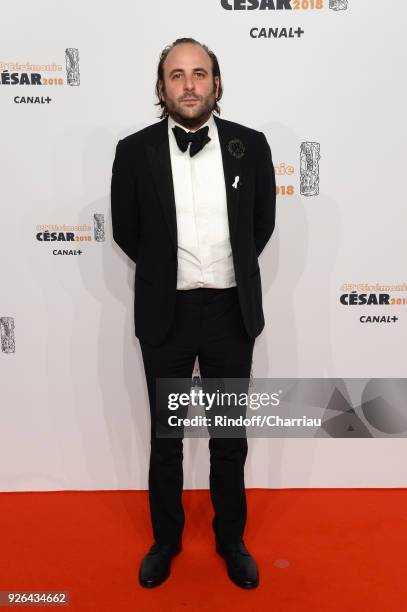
x: 183, y: 115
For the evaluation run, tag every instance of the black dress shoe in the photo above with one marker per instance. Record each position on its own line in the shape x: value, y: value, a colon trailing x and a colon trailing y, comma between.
x: 242, y: 568
x: 155, y: 567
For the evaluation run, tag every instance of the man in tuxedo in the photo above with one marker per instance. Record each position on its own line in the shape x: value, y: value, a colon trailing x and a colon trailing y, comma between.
x: 193, y: 205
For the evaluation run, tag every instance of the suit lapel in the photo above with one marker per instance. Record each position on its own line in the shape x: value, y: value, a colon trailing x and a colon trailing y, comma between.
x: 232, y: 168
x: 158, y: 153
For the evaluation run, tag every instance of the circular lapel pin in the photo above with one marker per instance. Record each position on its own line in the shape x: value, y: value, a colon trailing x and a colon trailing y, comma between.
x: 236, y: 148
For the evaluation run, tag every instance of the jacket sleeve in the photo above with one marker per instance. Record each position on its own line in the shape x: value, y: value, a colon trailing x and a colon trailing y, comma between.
x: 124, y: 206
x: 265, y: 196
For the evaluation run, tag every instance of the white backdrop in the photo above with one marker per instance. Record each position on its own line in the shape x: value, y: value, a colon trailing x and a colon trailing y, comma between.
x: 74, y: 409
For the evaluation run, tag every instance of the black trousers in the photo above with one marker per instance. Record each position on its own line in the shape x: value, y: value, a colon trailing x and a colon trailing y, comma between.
x: 207, y: 324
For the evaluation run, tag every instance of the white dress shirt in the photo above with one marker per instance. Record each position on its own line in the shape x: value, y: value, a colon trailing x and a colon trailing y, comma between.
x: 204, y: 250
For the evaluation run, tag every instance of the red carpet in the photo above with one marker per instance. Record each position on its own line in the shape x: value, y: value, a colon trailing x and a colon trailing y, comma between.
x: 317, y: 549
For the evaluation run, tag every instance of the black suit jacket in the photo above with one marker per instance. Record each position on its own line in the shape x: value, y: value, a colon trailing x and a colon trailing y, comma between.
x: 145, y: 225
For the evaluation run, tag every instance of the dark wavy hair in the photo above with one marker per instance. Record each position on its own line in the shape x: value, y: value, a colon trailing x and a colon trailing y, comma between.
x: 160, y: 73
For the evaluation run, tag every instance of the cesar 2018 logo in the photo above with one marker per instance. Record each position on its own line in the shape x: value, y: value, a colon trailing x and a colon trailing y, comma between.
x: 30, y: 74
x: 74, y: 234
x: 16, y: 73
x: 281, y: 5
x: 365, y: 294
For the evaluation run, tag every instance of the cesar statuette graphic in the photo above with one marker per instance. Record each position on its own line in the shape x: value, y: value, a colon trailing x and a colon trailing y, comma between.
x: 193, y: 205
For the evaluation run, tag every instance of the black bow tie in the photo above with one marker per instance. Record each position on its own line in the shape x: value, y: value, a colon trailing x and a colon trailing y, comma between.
x: 197, y: 139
